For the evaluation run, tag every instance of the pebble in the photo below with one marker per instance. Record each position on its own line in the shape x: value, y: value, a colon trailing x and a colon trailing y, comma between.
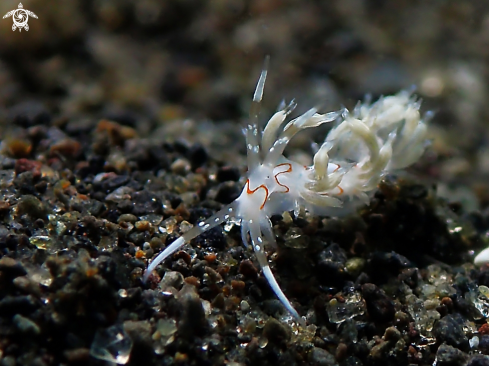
x: 330, y: 269
x: 11, y: 268
x: 379, y: 306
x: 25, y: 325
x: 138, y: 331
x: 77, y: 355
x: 4, y: 208
x: 65, y: 147
x: 180, y: 167
x: 382, y: 265
x: 227, y: 192
x: 450, y: 356
x: 10, y: 305
x: 127, y: 218
x: 321, y: 357
x: 248, y: 269
x: 145, y: 203
x: 27, y: 285
x: 112, y: 183
x: 228, y: 173
x: 478, y: 360
x: 32, y: 206
x: 392, y: 334
x: 276, y: 332
x: 173, y: 279
x: 193, y: 321
x: 484, y: 344
x: 198, y: 156
x: 24, y: 165
x: 379, y: 351
x: 449, y: 329
x: 142, y: 225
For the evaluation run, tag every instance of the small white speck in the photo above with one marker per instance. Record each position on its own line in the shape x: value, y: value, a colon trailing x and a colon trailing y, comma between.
x: 474, y: 342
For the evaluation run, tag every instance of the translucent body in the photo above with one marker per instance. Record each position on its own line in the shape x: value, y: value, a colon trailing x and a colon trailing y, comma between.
x: 363, y: 146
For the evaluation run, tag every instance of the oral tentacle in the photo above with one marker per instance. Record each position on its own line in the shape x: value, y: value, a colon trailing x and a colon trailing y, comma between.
x: 252, y: 131
x: 221, y: 216
x: 244, y: 232
x: 257, y: 243
x: 267, y: 230
x: 252, y: 147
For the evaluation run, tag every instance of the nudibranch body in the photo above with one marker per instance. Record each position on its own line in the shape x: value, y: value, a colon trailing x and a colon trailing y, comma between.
x: 365, y: 144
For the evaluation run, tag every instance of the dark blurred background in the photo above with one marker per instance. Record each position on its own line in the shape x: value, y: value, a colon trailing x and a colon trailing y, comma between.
x: 147, y: 63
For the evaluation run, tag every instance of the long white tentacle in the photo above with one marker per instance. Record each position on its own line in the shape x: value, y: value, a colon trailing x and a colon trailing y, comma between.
x: 221, y: 216
x: 257, y: 243
x: 252, y: 131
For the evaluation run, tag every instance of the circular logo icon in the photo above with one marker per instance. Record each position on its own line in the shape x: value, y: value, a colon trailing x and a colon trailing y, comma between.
x: 20, y: 17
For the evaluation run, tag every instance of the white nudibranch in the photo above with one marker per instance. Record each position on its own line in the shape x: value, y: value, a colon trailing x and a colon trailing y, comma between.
x: 366, y: 143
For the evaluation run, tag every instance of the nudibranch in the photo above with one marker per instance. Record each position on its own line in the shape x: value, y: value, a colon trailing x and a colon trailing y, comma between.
x: 364, y: 145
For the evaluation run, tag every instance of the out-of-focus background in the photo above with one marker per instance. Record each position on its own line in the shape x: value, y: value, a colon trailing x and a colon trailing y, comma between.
x: 146, y: 63
x: 151, y: 61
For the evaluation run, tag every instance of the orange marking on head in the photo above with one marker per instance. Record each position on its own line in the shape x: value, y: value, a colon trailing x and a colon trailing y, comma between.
x: 339, y: 166
x: 289, y: 169
x: 249, y: 191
